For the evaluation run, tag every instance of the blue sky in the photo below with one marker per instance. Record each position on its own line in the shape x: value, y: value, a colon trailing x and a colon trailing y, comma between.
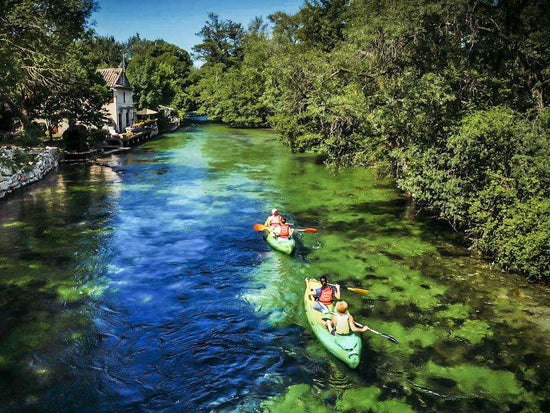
x: 177, y: 21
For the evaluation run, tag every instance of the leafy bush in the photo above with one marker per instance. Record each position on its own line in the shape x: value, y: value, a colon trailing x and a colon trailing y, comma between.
x: 76, y: 139
x: 97, y: 137
x: 19, y: 138
x: 163, y: 123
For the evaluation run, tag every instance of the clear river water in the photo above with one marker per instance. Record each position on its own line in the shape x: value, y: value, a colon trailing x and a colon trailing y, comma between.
x: 139, y: 284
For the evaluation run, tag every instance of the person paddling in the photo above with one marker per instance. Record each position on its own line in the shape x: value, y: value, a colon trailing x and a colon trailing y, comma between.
x: 342, y: 323
x: 283, y: 230
x: 325, y: 296
x: 274, y: 220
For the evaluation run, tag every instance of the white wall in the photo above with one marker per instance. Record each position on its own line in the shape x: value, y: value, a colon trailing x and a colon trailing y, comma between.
x: 121, y: 110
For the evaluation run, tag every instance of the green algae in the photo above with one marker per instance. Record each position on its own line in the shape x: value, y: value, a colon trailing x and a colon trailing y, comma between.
x: 400, y: 246
x: 83, y: 188
x: 48, y: 259
x: 69, y: 293
x: 366, y: 399
x: 28, y: 337
x: 363, y: 399
x: 303, y: 398
x: 273, y: 296
x: 297, y: 399
x: 475, y: 381
x: 14, y: 224
x: 4, y: 364
x: 474, y: 331
x: 407, y: 287
x: 455, y: 311
x: 410, y: 339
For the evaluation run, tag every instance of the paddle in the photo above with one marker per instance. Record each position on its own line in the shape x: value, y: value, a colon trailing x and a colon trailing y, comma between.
x: 391, y: 338
x: 357, y: 290
x: 354, y: 289
x: 260, y: 228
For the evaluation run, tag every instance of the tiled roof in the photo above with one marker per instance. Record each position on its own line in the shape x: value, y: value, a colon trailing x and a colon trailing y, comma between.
x: 115, y: 77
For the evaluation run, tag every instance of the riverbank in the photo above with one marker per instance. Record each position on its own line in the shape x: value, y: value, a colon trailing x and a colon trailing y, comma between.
x: 22, y: 166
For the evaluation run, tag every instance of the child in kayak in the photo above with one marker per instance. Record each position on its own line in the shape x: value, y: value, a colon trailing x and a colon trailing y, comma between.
x: 342, y: 323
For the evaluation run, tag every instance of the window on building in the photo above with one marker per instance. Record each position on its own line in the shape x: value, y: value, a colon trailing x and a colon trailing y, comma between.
x: 127, y: 118
x: 124, y: 97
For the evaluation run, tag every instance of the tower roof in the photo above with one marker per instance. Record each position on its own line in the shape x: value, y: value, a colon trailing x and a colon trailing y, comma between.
x: 115, y: 77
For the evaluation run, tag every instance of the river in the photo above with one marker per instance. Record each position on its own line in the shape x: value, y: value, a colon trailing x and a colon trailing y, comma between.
x: 141, y: 286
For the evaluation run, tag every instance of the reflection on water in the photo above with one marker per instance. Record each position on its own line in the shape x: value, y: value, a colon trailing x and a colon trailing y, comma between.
x: 142, y: 286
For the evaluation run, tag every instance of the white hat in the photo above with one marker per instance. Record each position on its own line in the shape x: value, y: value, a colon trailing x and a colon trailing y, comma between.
x: 274, y: 210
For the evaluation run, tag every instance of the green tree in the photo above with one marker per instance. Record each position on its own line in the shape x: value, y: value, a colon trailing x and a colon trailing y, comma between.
x: 80, y: 100
x: 35, y: 39
x: 235, y: 94
x: 221, y: 41
x: 321, y: 23
x: 158, y: 72
x: 285, y: 27
x: 105, y: 51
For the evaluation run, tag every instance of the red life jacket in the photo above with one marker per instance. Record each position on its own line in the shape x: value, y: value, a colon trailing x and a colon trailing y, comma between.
x: 285, y: 231
x: 275, y: 220
x: 326, y: 295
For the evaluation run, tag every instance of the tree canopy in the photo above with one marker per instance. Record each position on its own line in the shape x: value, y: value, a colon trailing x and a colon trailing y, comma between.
x: 159, y: 72
x: 39, y: 43
x: 221, y: 41
x: 450, y: 98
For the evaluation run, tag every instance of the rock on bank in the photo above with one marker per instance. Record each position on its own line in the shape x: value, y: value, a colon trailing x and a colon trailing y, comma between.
x: 22, y: 166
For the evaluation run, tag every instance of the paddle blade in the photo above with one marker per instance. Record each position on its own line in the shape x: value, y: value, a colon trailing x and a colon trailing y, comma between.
x: 259, y: 227
x: 391, y: 338
x: 358, y: 290
x: 310, y: 230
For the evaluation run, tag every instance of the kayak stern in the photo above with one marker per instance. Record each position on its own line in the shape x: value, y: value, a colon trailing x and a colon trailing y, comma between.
x: 284, y: 245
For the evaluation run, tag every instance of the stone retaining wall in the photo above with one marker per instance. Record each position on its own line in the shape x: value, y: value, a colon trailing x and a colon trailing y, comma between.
x: 22, y: 166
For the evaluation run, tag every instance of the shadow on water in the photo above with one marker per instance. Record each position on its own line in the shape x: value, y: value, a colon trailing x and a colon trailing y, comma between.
x: 46, y: 231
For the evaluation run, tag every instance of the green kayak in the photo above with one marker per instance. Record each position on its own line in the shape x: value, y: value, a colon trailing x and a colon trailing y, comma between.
x: 285, y: 245
x: 347, y: 348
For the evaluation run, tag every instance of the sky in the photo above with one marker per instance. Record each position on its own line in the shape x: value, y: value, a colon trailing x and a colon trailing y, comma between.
x: 177, y: 21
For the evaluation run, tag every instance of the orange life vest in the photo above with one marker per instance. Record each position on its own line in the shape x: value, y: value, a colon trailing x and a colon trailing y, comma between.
x: 326, y: 295
x: 285, y: 231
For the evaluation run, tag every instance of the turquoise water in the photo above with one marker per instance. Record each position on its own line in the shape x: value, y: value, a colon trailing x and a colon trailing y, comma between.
x: 142, y: 286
